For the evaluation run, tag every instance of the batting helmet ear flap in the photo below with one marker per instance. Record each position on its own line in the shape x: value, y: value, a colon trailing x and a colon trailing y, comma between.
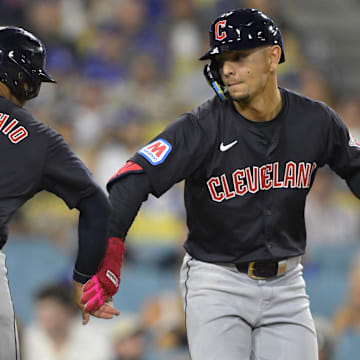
x: 213, y: 78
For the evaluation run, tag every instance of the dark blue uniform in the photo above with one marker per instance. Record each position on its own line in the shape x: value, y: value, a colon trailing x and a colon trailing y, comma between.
x: 246, y: 182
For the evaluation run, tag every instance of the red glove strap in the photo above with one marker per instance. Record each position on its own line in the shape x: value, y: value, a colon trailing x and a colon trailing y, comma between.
x: 110, y: 267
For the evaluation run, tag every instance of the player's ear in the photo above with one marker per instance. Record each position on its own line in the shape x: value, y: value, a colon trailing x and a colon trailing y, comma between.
x: 274, y: 57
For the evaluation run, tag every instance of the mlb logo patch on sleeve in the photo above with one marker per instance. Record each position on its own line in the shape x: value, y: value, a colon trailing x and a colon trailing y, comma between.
x: 156, y: 152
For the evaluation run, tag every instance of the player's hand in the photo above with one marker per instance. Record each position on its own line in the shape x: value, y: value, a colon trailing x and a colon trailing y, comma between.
x: 106, y: 311
x: 78, y: 293
x: 105, y: 283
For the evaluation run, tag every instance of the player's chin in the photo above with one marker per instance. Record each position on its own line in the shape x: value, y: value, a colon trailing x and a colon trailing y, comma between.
x: 238, y: 93
x: 239, y: 97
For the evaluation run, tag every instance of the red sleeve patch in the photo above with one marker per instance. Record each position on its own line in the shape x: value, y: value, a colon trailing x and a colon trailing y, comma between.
x: 129, y: 167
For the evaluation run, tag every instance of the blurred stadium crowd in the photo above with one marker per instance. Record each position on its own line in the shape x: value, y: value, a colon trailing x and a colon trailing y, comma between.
x: 125, y: 69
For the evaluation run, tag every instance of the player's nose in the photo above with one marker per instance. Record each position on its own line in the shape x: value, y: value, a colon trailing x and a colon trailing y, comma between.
x: 228, y: 68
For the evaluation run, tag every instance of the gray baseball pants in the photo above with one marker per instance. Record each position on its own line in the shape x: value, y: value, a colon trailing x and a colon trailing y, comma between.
x: 230, y: 316
x: 9, y: 344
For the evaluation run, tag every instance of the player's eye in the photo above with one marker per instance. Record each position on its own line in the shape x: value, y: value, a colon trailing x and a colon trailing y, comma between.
x: 234, y: 57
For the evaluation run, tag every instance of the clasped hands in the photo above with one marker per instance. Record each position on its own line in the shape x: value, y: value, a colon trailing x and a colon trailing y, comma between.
x: 104, y: 311
x: 95, y: 296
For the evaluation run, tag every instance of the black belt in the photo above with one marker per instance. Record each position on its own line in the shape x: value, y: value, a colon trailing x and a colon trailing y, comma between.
x: 266, y: 269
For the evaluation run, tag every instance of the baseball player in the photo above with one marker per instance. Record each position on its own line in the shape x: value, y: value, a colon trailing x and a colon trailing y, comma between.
x: 248, y: 157
x: 37, y: 158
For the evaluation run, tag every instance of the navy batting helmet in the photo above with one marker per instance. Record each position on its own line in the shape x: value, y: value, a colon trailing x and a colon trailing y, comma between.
x: 238, y: 29
x: 22, y: 61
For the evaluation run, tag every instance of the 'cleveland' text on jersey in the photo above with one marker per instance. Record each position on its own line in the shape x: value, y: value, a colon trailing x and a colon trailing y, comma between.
x: 257, y: 178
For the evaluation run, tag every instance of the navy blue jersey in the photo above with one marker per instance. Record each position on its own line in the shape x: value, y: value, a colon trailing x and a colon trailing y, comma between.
x: 246, y: 182
x: 35, y: 158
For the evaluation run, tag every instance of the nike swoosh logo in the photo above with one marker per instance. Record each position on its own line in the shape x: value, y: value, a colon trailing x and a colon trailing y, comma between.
x: 228, y: 146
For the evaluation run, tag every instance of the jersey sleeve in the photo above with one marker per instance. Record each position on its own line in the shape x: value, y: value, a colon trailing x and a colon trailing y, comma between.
x: 64, y: 174
x: 174, y: 154
x: 344, y: 153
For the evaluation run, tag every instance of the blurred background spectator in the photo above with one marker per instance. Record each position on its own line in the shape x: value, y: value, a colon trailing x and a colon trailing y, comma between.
x: 325, y: 337
x: 127, y: 338
x: 56, y: 332
x: 164, y: 319
x: 347, y: 318
x: 125, y: 69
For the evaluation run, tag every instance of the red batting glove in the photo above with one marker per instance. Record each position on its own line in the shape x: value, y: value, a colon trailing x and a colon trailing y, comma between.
x: 105, y: 283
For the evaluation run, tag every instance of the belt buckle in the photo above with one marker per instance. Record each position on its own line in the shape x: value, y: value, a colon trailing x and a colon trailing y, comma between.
x: 251, y: 269
x: 282, y: 266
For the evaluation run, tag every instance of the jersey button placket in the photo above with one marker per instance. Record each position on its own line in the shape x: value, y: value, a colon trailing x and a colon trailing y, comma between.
x: 268, y: 212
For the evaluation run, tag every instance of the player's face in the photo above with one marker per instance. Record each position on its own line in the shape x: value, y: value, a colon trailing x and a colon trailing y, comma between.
x: 244, y: 72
